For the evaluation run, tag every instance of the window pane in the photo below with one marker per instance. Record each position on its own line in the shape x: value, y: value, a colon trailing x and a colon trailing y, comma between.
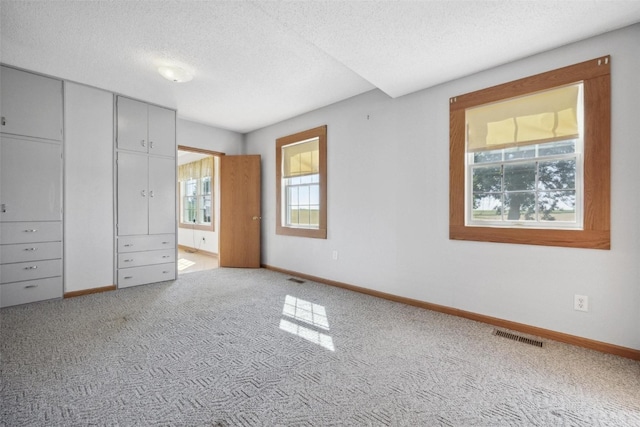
x: 206, y: 185
x: 303, y: 194
x: 526, y: 152
x: 487, y: 156
x: 486, y: 207
x: 557, y: 174
x: 205, y: 209
x: 557, y: 206
x: 191, y: 187
x: 487, y: 179
x: 520, y: 206
x: 555, y: 148
x: 314, y: 195
x: 519, y: 177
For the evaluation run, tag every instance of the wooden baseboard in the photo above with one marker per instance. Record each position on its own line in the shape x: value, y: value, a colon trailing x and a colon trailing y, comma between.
x: 89, y: 291
x: 603, y: 347
x: 200, y: 251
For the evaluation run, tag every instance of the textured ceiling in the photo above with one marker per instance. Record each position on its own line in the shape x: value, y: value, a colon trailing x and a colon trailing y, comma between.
x: 256, y: 62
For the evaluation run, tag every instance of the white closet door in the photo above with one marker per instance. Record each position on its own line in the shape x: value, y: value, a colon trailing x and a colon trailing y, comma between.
x: 132, y: 125
x: 162, y: 131
x: 31, y: 180
x: 133, y: 194
x: 162, y: 195
x: 31, y: 104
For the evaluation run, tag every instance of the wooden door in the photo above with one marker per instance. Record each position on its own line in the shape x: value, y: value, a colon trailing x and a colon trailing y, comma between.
x: 239, y: 244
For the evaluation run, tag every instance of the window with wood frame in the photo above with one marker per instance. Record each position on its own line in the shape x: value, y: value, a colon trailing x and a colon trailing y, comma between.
x: 530, y: 160
x: 301, y: 184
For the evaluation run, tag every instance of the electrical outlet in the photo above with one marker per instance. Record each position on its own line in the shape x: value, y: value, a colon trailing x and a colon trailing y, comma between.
x: 581, y: 302
x: 334, y: 255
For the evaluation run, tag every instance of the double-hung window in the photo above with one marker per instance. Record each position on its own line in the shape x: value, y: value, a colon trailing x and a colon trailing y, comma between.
x: 530, y: 160
x: 196, y: 193
x: 301, y: 184
x: 524, y: 161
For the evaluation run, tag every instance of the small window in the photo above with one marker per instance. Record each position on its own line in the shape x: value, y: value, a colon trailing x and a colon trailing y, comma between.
x: 530, y: 160
x: 301, y: 184
x: 195, y: 185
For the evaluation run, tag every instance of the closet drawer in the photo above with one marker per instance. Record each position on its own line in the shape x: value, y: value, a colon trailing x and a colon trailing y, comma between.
x: 136, y: 259
x: 146, y: 243
x: 27, y: 232
x: 31, y: 291
x: 30, y: 252
x: 147, y: 274
x: 22, y: 271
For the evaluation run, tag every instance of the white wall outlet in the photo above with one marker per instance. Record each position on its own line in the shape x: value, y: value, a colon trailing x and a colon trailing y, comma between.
x: 334, y: 255
x: 581, y: 302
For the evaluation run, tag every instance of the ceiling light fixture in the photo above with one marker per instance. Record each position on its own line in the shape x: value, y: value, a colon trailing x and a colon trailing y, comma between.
x: 175, y: 74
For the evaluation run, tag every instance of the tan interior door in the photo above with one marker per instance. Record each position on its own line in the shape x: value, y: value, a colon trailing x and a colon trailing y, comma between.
x: 239, y: 244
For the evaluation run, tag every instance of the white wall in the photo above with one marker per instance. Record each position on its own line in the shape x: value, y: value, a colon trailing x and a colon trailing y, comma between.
x: 388, y: 198
x: 88, y: 188
x: 196, y: 135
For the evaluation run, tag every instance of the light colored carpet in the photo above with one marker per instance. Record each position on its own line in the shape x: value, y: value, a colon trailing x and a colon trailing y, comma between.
x: 234, y: 347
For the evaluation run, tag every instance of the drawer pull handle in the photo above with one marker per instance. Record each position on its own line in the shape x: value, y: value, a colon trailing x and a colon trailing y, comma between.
x: 31, y: 230
x: 33, y: 267
x: 165, y: 243
x: 30, y: 249
x: 128, y: 277
x: 128, y: 260
x: 128, y: 245
x: 166, y: 256
x: 166, y: 271
x: 30, y: 286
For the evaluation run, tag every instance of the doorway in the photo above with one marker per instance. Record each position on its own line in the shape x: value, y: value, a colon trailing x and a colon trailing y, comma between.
x: 198, y: 192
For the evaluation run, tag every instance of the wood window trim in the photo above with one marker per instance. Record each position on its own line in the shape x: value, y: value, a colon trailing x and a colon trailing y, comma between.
x: 321, y: 232
x: 596, y: 233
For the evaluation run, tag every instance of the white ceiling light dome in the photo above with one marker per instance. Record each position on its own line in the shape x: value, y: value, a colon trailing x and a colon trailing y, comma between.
x: 175, y: 74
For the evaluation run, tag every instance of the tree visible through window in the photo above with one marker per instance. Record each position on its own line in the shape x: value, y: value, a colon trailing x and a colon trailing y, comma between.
x: 530, y: 160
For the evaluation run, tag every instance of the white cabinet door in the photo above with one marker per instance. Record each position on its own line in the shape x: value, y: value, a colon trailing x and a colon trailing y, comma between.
x: 162, y: 131
x: 30, y: 180
x: 162, y: 195
x: 133, y: 194
x: 132, y: 125
x: 31, y: 104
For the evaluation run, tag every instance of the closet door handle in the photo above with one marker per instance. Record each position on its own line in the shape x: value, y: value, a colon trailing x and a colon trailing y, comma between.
x: 151, y: 193
x: 150, y: 144
x: 31, y: 230
x: 30, y: 249
x: 4, y: 121
x: 143, y: 143
x: 144, y: 193
x: 33, y: 267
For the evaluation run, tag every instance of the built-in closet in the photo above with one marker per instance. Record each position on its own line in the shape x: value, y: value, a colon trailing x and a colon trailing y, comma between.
x: 146, y: 193
x: 30, y: 187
